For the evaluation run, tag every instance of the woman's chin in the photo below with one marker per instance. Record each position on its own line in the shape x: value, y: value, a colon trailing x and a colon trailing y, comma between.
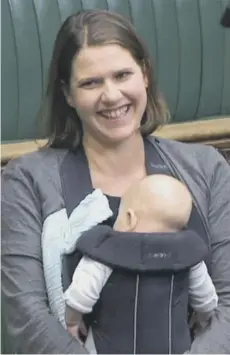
x: 120, y: 134
x: 119, y: 138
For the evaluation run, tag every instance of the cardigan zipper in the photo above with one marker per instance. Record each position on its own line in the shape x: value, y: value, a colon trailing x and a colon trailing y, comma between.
x: 170, y: 314
x: 135, y: 317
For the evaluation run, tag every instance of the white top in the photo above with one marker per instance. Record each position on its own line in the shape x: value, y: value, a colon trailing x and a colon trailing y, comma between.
x: 59, y: 237
x: 90, y: 277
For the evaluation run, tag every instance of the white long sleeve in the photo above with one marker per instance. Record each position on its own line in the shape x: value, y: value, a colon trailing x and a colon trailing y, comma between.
x: 202, y: 294
x: 88, y: 280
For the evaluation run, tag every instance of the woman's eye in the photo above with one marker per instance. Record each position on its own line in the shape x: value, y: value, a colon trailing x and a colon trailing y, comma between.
x: 123, y: 75
x: 90, y: 84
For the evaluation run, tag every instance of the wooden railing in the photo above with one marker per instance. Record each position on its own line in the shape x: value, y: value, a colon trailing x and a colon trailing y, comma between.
x: 214, y: 132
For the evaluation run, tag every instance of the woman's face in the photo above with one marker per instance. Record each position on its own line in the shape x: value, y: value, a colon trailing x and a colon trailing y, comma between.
x: 108, y: 91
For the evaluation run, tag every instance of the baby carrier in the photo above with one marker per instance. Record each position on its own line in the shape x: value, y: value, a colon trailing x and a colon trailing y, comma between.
x: 144, y: 304
x: 161, y: 299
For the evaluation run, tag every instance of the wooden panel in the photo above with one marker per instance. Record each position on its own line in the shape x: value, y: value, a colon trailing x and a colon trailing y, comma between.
x: 212, y: 132
x: 197, y: 131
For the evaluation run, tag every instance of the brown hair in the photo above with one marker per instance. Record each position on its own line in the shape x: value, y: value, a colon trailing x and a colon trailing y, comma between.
x: 92, y: 28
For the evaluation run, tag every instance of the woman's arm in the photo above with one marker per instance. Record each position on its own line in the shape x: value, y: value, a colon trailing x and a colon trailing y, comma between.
x: 30, y: 325
x: 216, y: 338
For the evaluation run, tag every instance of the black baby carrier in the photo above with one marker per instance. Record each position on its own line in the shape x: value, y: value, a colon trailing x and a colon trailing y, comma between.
x: 143, y: 306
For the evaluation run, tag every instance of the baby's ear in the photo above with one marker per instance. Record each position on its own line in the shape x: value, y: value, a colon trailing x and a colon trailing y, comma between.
x: 131, y: 220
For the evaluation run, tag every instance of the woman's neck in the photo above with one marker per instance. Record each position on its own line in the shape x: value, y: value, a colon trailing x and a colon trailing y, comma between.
x: 119, y: 159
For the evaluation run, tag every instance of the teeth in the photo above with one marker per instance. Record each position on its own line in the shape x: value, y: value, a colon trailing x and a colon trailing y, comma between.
x: 115, y: 113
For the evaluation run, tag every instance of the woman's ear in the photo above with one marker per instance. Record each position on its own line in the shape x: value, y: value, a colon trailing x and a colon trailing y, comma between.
x: 67, y: 93
x: 131, y: 220
x: 146, y: 80
x: 145, y: 75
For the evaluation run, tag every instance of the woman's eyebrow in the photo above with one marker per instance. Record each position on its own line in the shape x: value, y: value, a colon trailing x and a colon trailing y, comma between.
x: 122, y: 70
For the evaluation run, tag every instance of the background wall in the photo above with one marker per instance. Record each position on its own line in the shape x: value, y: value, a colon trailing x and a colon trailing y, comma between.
x: 189, y: 48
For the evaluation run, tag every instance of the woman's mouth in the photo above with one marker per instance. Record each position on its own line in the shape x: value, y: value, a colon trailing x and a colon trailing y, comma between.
x: 115, y: 114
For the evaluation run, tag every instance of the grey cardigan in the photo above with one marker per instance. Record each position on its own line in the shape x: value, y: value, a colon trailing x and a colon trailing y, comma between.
x: 32, y: 191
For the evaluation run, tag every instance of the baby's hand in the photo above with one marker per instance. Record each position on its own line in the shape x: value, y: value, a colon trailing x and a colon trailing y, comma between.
x: 78, y: 331
x: 199, y: 321
x: 74, y: 331
x: 83, y: 331
x: 203, y: 320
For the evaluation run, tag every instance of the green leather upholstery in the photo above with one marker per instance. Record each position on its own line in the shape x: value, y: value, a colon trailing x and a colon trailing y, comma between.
x: 189, y: 47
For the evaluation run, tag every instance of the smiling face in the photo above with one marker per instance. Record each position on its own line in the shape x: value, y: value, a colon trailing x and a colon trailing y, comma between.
x: 108, y: 91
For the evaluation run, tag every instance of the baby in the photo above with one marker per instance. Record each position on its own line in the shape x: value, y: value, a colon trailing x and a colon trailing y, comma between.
x: 156, y: 204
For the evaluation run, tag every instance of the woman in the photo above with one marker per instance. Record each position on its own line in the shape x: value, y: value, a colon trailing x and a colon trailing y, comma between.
x: 102, y: 105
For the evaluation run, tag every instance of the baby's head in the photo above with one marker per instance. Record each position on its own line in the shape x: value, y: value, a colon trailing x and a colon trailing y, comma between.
x: 157, y: 203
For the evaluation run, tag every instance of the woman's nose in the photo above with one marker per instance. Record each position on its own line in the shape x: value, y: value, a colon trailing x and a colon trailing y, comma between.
x: 111, y: 93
